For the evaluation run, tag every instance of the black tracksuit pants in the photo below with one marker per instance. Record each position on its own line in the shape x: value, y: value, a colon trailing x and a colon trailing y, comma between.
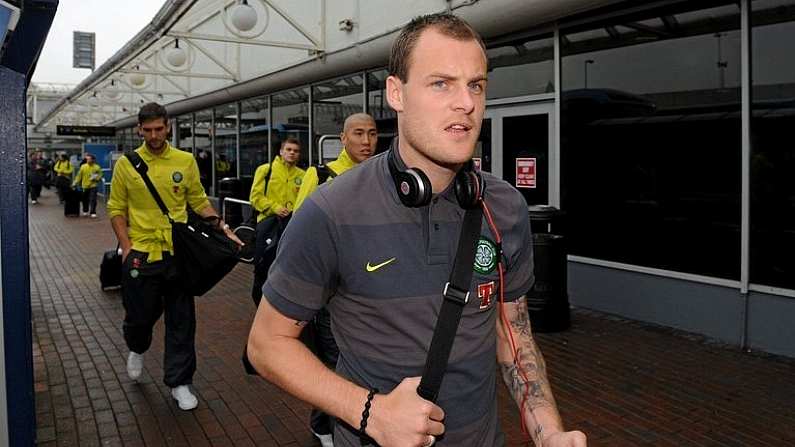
x: 149, y: 290
x: 326, y: 349
x: 89, y: 200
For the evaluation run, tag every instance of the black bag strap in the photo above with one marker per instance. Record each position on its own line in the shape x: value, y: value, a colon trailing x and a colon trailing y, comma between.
x: 456, y: 295
x: 142, y: 168
x: 324, y: 172
x: 268, y: 178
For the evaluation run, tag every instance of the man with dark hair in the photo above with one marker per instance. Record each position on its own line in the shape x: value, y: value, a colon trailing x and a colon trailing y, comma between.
x: 381, y: 262
x: 87, y: 179
x: 150, y: 285
x: 36, y: 175
x: 63, y: 175
x: 274, y: 191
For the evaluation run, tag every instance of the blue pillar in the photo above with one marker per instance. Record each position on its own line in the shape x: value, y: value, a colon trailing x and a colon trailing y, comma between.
x: 15, y: 266
x: 17, y: 63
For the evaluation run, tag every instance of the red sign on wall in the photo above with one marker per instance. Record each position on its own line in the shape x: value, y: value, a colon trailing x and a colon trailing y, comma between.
x: 477, y: 163
x: 525, y: 172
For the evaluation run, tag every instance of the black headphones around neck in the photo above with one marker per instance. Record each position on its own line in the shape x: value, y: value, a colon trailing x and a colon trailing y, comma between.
x: 414, y: 187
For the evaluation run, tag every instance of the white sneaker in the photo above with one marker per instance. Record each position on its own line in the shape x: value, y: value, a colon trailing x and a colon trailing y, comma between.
x: 93, y: 216
x: 185, y: 399
x: 83, y: 213
x: 33, y: 202
x: 135, y: 364
x: 325, y: 440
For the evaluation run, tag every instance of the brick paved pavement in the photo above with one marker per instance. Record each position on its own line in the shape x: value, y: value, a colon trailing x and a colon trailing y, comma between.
x: 624, y: 383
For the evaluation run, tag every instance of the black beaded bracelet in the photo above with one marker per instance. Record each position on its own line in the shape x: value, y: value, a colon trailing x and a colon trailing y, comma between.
x: 366, y: 412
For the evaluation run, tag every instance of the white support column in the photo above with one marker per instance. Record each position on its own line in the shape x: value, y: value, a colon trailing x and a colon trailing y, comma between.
x: 238, y: 111
x: 555, y: 180
x: 745, y: 170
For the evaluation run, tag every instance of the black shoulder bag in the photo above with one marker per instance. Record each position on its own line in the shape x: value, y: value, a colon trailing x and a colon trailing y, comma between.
x: 203, y: 254
x: 455, y: 297
x: 247, y: 231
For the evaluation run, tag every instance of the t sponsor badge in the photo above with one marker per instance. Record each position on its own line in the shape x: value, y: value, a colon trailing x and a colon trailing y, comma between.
x: 485, y: 291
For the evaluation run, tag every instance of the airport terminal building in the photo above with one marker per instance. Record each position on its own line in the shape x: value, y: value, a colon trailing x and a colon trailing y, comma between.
x: 658, y: 127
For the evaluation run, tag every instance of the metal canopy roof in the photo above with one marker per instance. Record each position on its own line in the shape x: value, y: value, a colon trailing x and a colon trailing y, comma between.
x: 216, y: 54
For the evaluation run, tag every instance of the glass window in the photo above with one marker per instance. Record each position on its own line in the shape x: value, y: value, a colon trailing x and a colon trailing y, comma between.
x: 185, y: 133
x: 651, y: 140
x: 333, y: 101
x: 772, y: 152
x: 378, y: 107
x: 291, y: 119
x: 225, y: 141
x: 203, y: 131
x: 521, y: 68
x: 253, y: 135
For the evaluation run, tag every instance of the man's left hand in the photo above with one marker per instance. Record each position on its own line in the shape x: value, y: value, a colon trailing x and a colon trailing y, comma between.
x: 565, y: 439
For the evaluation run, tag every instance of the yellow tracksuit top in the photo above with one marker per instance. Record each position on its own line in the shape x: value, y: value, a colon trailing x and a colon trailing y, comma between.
x: 88, y: 176
x: 64, y: 168
x: 282, y: 189
x: 310, y: 183
x: 176, y: 177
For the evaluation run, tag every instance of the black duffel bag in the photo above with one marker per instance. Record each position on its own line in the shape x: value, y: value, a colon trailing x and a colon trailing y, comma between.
x: 204, y: 255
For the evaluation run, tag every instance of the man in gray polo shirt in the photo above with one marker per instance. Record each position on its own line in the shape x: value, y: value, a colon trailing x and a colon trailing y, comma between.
x: 381, y: 268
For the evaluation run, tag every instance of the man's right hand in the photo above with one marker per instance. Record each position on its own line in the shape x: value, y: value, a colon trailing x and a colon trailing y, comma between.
x: 283, y: 212
x: 403, y: 418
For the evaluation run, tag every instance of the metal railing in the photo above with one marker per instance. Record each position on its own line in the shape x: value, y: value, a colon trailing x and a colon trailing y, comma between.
x: 245, y: 211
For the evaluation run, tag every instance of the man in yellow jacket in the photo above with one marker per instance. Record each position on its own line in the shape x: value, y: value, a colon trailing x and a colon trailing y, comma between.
x: 88, y: 177
x: 273, y: 196
x: 63, y: 175
x: 359, y: 139
x: 150, y: 283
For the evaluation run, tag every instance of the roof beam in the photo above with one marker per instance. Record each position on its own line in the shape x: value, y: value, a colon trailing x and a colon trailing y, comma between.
x: 235, y: 76
x: 297, y: 26
x: 237, y: 40
x: 178, y: 74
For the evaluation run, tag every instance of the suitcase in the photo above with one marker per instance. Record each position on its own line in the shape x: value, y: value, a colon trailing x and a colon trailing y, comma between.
x: 71, y: 205
x: 110, y: 269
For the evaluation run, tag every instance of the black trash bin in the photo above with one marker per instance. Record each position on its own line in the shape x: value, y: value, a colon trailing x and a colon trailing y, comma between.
x: 548, y: 300
x: 232, y: 212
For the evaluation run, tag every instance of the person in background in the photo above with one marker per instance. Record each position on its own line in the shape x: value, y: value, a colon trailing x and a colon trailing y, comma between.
x: 37, y: 175
x: 205, y: 169
x: 63, y: 175
x: 359, y: 139
x: 273, y: 195
x: 151, y: 285
x: 87, y: 179
x: 222, y: 168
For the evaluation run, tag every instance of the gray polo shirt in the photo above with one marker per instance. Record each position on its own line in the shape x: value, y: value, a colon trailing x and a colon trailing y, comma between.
x: 381, y: 268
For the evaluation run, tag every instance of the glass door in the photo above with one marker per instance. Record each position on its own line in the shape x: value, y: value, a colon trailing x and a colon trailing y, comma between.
x: 522, y: 140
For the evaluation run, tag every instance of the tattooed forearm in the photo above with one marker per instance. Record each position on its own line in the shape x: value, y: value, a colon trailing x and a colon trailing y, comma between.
x: 525, y: 372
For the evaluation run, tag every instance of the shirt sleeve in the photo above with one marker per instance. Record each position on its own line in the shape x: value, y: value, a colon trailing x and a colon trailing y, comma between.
x: 518, y: 248
x: 196, y: 197
x: 257, y: 196
x: 308, y: 186
x: 305, y: 273
x: 117, y: 203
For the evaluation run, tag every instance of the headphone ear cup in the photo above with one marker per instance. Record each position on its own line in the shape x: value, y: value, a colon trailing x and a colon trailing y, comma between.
x: 468, y: 188
x: 414, y: 188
